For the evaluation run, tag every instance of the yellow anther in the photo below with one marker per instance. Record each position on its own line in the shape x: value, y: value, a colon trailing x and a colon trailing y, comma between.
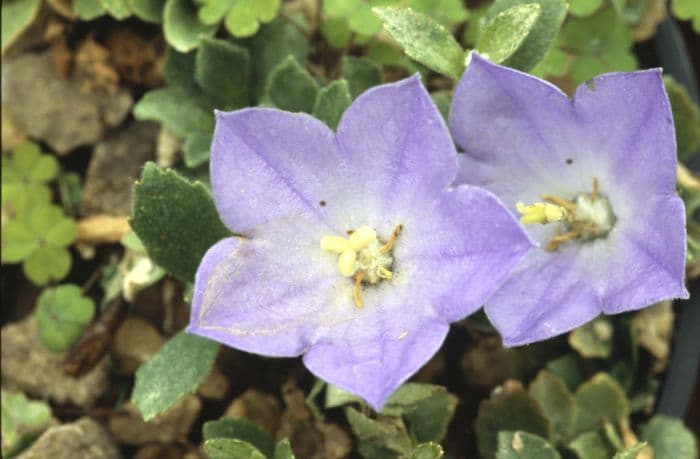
x: 346, y: 262
x: 540, y: 212
x: 384, y: 273
x: 362, y: 237
x: 335, y: 244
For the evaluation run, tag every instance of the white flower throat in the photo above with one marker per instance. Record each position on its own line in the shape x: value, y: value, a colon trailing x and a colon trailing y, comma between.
x: 588, y: 216
x: 363, y: 256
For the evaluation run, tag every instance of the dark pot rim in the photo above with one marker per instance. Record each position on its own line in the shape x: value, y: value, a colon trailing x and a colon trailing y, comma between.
x: 685, y: 356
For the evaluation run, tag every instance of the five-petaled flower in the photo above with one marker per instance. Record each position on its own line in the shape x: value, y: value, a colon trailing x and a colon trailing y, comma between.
x: 593, y: 178
x: 356, y: 252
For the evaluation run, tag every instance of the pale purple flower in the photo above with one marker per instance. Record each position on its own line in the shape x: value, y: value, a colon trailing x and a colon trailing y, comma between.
x: 619, y: 248
x: 287, y: 182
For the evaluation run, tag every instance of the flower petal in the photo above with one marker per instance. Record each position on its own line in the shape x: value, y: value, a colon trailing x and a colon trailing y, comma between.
x: 398, y: 142
x: 547, y: 295
x: 647, y: 261
x: 513, y: 128
x: 371, y: 357
x: 268, y: 164
x: 461, y: 247
x: 268, y: 295
x: 628, y: 118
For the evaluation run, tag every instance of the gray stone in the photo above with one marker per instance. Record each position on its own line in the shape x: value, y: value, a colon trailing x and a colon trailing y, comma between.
x: 84, y: 439
x: 115, y: 164
x: 55, y: 110
x: 28, y: 366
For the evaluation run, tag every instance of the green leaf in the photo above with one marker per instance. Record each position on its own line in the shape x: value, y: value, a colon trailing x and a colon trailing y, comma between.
x: 22, y: 421
x: 592, y: 445
x: 240, y: 429
x: 62, y: 315
x: 213, y: 11
x: 48, y: 263
x: 523, y: 445
x: 569, y: 368
x: 176, y: 370
x: 630, y: 453
x: 428, y: 451
x: 686, y: 116
x: 446, y: 12
x: 181, y: 26
x: 600, y: 398
x: 245, y: 16
x: 687, y: 10
x: 336, y: 32
x: 669, y: 438
x: 340, y: 8
x: 227, y: 448
x: 385, y: 437
x: 175, y: 219
x: 87, y: 10
x: 19, y: 241
x: 222, y: 69
x: 16, y: 16
x: 600, y: 43
x: 336, y: 397
x: 178, y: 112
x: 510, y: 408
x: 331, y: 102
x: 556, y: 401
x: 63, y: 233
x: 361, y: 74
x: 118, y: 9
x: 442, y: 100
x: 424, y: 40
x: 148, y: 10
x: 291, y: 87
x: 427, y: 410
x: 504, y: 33
x: 274, y: 43
x: 364, y: 22
x: 584, y: 7
x: 594, y: 339
x: 542, y: 34
x: 196, y: 150
x: 283, y: 450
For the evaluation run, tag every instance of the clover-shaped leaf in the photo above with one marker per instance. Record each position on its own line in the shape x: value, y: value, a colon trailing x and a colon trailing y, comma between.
x: 592, y: 445
x: 62, y: 315
x: 687, y: 10
x: 39, y: 239
x: 87, y: 10
x: 16, y: 17
x: 600, y: 43
x: 241, y: 17
x: 25, y: 175
x: 584, y: 7
x: 181, y: 26
x: 22, y: 420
